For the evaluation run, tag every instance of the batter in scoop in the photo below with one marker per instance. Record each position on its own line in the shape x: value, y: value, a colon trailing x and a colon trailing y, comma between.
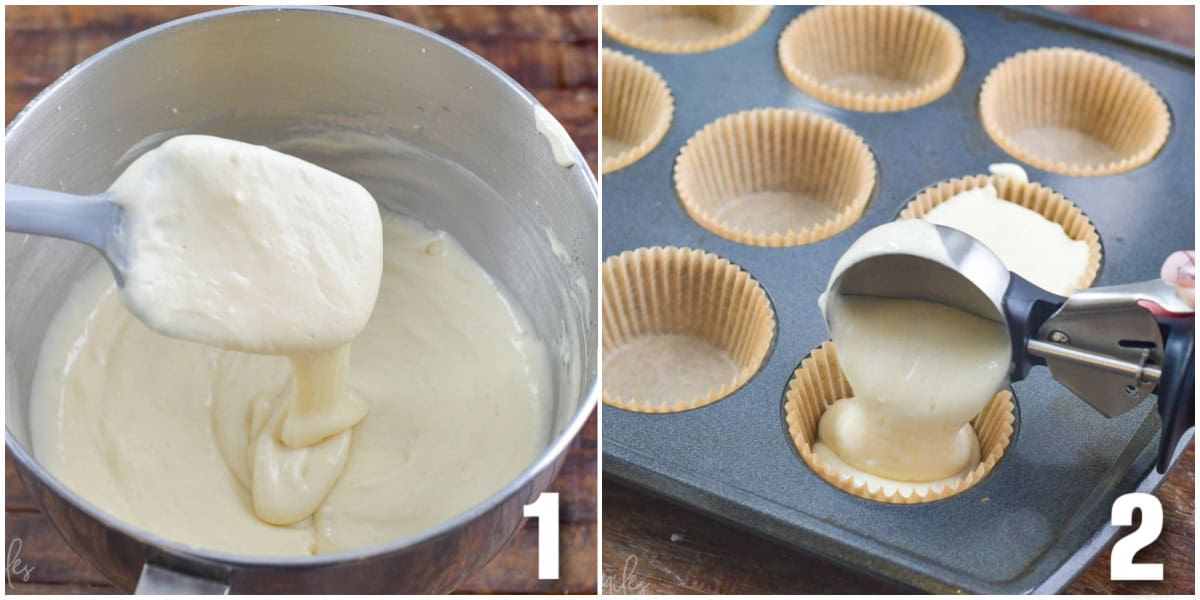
x: 190, y: 441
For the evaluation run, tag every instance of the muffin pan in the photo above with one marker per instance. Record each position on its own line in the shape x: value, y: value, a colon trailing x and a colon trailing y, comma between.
x: 1041, y: 515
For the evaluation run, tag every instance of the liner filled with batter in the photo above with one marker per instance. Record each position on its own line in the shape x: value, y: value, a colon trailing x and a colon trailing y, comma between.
x: 1014, y: 246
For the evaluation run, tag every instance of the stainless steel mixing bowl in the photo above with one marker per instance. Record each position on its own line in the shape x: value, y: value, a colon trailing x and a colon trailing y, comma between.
x: 428, y: 127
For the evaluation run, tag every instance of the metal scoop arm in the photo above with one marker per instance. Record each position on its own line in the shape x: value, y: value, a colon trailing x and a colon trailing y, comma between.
x: 1112, y: 347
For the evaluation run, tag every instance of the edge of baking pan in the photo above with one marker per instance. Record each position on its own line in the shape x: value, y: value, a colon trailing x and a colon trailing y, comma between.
x: 1083, y: 557
x: 742, y: 516
x: 1092, y: 28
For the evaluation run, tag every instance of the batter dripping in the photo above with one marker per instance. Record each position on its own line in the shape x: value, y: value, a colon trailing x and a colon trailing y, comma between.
x: 240, y: 247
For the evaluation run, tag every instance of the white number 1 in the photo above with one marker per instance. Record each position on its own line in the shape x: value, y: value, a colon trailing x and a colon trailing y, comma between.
x: 545, y: 510
x: 1122, y: 566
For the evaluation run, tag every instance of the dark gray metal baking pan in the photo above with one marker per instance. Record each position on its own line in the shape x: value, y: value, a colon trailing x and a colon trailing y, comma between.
x: 1042, y: 515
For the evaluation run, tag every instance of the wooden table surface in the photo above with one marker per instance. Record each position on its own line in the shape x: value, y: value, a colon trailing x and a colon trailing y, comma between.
x: 551, y: 51
x: 654, y: 547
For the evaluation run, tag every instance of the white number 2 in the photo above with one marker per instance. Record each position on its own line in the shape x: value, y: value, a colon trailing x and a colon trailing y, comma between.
x: 545, y: 510
x: 1122, y: 566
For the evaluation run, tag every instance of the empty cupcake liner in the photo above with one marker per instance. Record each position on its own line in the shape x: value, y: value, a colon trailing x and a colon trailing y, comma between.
x: 1034, y: 196
x: 775, y: 177
x: 682, y: 29
x: 872, y: 58
x: 637, y: 110
x: 1073, y: 112
x: 819, y: 382
x: 682, y: 329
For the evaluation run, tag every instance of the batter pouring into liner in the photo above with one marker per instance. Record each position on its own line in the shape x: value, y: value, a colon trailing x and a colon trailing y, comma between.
x: 920, y: 372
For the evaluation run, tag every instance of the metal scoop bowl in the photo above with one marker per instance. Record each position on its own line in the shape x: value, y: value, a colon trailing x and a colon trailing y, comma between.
x: 1111, y: 346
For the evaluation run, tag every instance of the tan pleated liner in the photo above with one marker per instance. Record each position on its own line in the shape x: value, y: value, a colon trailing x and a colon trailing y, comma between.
x: 818, y: 382
x: 775, y: 177
x: 1034, y: 196
x: 872, y: 58
x: 682, y: 29
x: 682, y: 329
x: 637, y: 110
x: 1073, y: 112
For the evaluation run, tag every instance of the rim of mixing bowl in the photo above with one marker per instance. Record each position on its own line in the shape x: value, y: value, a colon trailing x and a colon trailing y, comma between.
x: 551, y: 453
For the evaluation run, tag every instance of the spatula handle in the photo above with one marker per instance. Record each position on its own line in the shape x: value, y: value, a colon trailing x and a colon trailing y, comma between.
x: 86, y: 219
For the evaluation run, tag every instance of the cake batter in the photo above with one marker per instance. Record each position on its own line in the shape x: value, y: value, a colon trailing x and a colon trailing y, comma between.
x: 239, y: 246
x: 560, y: 143
x: 920, y: 372
x: 244, y: 248
x: 254, y: 453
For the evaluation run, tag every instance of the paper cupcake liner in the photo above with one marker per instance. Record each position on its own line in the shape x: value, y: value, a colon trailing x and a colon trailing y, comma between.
x: 637, y: 110
x: 683, y: 327
x: 775, y: 177
x: 1034, y: 196
x: 818, y: 382
x: 1073, y: 112
x: 682, y: 29
x: 872, y: 58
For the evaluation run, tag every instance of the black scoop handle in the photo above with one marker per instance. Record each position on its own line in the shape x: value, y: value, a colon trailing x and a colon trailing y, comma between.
x: 1177, y: 387
x: 1026, y: 308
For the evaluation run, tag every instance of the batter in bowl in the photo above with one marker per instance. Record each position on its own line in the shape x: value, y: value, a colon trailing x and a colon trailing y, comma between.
x: 189, y: 440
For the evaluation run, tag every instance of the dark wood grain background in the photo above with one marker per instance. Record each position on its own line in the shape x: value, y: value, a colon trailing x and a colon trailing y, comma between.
x: 654, y: 547
x: 552, y: 51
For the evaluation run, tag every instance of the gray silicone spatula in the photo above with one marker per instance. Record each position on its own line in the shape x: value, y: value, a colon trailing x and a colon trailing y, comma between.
x: 92, y: 220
